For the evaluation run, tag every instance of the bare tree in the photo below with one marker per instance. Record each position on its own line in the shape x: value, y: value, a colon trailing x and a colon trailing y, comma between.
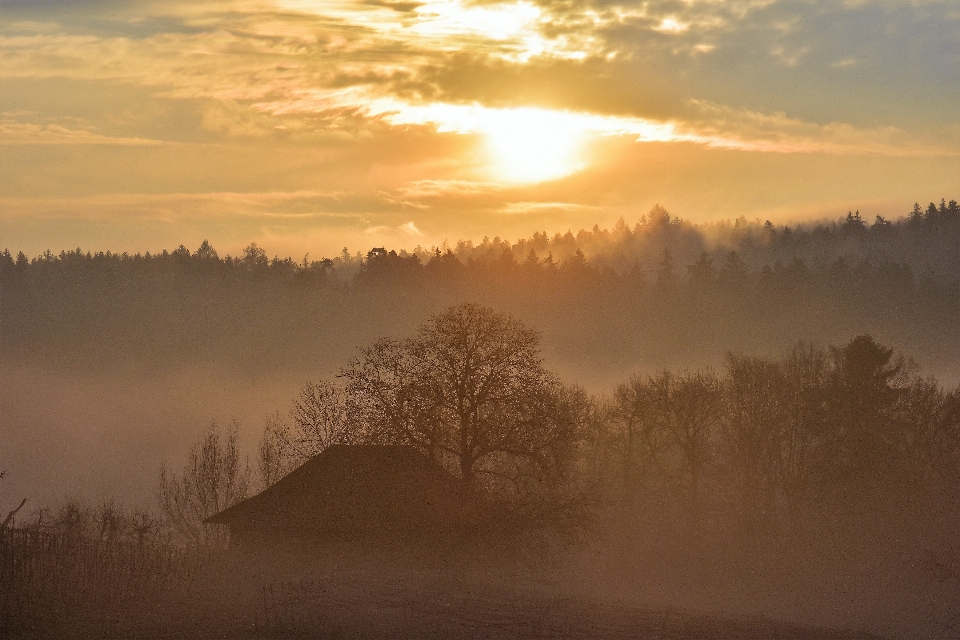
x: 213, y: 479
x: 752, y: 422
x: 274, y: 456
x: 320, y: 417
x: 640, y: 440
x: 8, y: 521
x: 110, y: 521
x: 688, y: 406
x: 805, y: 370
x: 469, y: 389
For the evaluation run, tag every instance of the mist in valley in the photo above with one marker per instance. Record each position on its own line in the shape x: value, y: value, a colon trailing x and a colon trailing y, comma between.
x: 753, y: 422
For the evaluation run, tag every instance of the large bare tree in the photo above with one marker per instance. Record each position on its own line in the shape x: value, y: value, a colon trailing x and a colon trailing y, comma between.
x: 470, y: 390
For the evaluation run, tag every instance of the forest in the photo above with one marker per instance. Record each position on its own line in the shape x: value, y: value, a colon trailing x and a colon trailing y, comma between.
x: 663, y: 293
x: 728, y: 418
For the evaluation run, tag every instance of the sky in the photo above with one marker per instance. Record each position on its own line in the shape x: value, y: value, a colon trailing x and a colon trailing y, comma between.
x: 310, y: 125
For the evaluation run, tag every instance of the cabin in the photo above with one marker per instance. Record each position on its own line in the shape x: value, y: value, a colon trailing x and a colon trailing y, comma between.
x: 349, y: 493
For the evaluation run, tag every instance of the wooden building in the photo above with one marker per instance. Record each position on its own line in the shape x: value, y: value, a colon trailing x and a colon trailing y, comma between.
x: 352, y: 493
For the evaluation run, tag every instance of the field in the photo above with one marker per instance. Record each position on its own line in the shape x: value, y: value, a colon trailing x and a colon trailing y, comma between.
x: 54, y: 586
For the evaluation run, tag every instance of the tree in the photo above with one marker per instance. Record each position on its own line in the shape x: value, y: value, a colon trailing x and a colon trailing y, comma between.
x: 255, y: 258
x: 665, y: 275
x: 734, y: 269
x: 854, y: 223
x: 866, y: 384
x: 641, y: 441
x: 752, y: 420
x: 212, y: 480
x: 274, y: 456
x: 205, y: 252
x: 469, y: 390
x: 687, y: 405
x: 8, y: 521
x: 805, y: 369
x: 702, y: 273
x: 11, y: 515
x: 320, y: 417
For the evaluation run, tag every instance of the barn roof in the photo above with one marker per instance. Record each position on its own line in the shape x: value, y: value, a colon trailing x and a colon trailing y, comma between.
x: 354, y: 487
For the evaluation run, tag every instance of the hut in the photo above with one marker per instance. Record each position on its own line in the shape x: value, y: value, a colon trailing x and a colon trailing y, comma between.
x: 353, y: 493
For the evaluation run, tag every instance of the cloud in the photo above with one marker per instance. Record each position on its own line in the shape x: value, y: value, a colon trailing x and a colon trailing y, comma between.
x: 286, y: 116
x: 777, y: 132
x: 25, y: 133
x: 527, y: 208
x: 411, y: 229
x: 397, y: 233
x: 425, y: 189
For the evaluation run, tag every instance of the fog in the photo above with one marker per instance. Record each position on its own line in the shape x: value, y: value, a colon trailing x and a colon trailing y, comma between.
x: 111, y: 365
x: 104, y: 435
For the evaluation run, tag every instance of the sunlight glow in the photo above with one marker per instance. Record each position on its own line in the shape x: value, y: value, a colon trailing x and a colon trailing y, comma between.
x: 497, y: 22
x: 527, y: 144
x: 531, y: 145
x: 671, y: 25
x: 508, y: 30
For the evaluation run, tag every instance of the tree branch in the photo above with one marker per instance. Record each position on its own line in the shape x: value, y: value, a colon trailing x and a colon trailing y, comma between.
x: 12, y: 514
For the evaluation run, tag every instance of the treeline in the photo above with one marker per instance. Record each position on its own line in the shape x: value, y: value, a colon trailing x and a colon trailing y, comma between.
x: 923, y: 239
x: 775, y: 442
x: 664, y: 291
x: 764, y: 446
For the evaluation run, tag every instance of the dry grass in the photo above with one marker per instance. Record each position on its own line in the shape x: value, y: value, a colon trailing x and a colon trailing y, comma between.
x: 332, y: 608
x: 57, y: 586
x: 52, y: 585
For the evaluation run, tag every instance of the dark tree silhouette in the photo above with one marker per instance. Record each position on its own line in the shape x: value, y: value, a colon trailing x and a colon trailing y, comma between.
x: 470, y: 388
x: 212, y: 479
x: 865, y: 387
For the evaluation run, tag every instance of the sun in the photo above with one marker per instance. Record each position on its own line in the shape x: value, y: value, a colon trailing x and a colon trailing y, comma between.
x: 523, y: 144
x: 532, y: 145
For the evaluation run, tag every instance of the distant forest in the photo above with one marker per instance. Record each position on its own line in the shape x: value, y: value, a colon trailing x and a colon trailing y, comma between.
x: 661, y: 293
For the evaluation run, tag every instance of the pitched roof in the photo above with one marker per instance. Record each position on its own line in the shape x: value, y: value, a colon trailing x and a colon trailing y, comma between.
x: 355, y: 487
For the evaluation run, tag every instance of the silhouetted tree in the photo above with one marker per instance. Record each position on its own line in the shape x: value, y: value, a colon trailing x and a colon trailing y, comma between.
x: 753, y: 418
x: 255, y: 258
x: 275, y: 457
x: 702, y: 273
x: 212, y: 479
x: 470, y: 389
x: 806, y: 369
x: 687, y: 406
x: 205, y: 252
x: 864, y: 389
x: 640, y: 440
x: 665, y: 275
x: 320, y: 417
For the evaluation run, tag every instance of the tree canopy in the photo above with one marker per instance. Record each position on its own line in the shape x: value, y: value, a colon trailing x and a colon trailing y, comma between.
x: 470, y: 390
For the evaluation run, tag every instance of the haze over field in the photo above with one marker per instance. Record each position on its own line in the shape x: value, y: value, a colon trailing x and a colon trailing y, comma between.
x: 136, y: 355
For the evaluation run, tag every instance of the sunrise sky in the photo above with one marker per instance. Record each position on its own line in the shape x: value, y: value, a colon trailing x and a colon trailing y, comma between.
x: 308, y: 125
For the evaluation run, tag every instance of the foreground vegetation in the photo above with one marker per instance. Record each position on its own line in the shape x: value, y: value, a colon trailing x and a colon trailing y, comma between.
x: 58, y: 587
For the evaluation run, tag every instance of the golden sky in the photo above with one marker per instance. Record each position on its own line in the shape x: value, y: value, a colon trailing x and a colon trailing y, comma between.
x: 308, y: 125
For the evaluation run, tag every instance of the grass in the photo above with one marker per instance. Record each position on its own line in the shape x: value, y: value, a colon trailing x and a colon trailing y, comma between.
x: 52, y: 585
x: 59, y: 586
